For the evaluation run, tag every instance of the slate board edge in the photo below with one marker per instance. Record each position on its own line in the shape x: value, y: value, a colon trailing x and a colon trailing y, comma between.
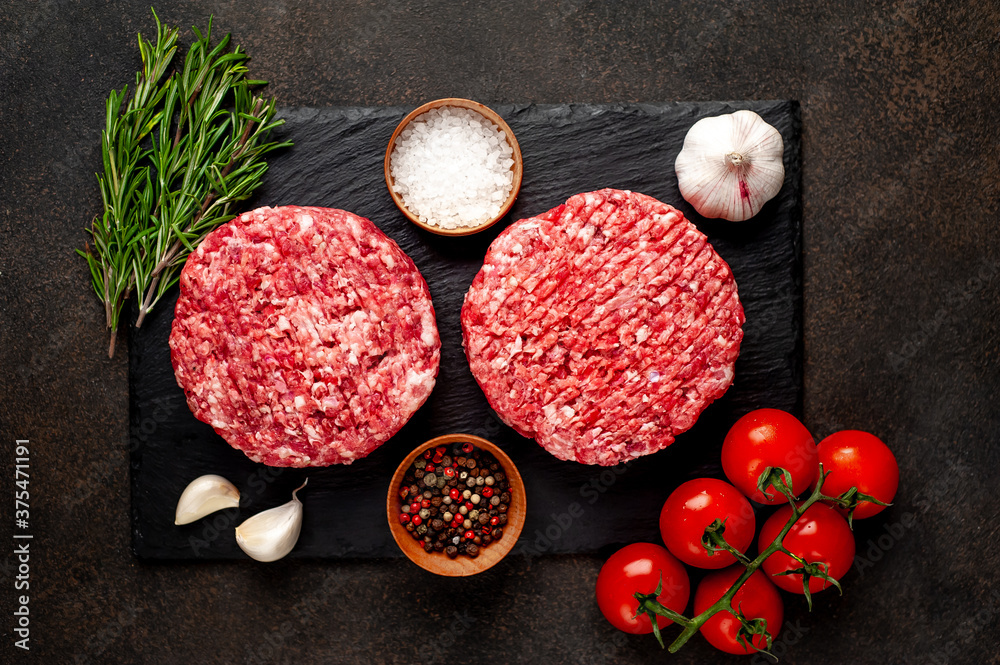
x: 135, y: 456
x: 135, y: 450
x: 794, y: 156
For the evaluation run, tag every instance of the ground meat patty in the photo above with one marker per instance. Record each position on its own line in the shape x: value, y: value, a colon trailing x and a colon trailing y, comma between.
x: 603, y: 327
x: 304, y: 336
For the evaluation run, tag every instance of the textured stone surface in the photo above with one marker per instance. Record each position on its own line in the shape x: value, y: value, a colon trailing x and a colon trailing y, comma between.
x: 902, y: 315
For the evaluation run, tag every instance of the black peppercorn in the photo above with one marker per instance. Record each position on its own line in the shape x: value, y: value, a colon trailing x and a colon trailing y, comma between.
x: 467, y: 467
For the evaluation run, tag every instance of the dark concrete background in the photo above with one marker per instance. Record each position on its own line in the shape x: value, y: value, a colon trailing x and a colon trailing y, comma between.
x: 902, y: 295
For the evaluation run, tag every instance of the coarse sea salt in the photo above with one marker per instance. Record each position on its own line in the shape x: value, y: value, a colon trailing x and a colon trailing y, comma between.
x: 451, y: 167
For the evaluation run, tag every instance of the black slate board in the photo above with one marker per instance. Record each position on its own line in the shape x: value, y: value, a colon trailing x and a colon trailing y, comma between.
x: 337, y: 162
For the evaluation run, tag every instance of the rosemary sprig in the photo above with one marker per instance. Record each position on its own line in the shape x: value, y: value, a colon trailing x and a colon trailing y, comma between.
x: 123, y: 184
x: 178, y: 156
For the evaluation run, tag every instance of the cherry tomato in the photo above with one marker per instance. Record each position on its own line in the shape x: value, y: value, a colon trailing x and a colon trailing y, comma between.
x: 769, y: 438
x: 695, y: 505
x: 637, y: 568
x: 757, y: 599
x: 859, y: 459
x: 820, y: 535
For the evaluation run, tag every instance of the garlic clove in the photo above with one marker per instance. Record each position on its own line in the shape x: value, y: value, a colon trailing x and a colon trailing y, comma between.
x: 730, y: 165
x: 203, y: 496
x: 270, y: 535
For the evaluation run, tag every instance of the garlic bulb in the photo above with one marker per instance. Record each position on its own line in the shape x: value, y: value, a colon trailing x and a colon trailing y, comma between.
x: 203, y: 496
x: 270, y: 535
x: 730, y: 165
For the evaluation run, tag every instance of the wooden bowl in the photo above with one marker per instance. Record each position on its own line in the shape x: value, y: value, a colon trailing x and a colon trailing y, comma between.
x: 461, y: 566
x: 490, y: 114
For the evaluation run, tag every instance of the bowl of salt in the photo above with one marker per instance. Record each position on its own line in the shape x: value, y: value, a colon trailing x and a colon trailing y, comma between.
x: 453, y: 167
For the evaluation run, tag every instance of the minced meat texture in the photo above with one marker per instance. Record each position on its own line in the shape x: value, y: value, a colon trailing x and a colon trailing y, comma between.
x: 304, y: 336
x: 603, y: 327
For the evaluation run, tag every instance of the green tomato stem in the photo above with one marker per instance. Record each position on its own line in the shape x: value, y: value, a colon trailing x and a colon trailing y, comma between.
x: 693, y: 625
x: 718, y: 541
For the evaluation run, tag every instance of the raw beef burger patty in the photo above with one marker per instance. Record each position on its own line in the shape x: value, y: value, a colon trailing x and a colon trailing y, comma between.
x: 603, y: 327
x: 304, y: 336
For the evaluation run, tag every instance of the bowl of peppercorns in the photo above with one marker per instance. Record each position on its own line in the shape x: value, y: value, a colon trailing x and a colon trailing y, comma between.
x: 456, y: 505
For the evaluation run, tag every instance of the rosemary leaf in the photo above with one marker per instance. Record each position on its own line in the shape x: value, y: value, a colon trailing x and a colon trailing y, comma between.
x: 179, y: 154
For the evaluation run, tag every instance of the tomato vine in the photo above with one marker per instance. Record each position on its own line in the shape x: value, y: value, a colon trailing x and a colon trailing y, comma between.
x: 714, y: 540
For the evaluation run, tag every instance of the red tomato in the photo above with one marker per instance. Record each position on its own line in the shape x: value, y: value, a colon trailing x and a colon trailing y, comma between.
x: 859, y: 459
x: 820, y: 535
x: 637, y: 568
x: 769, y: 437
x: 695, y: 505
x: 757, y: 599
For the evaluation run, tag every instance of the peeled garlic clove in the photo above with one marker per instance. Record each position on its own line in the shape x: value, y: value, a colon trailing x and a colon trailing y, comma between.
x: 731, y: 165
x: 270, y: 535
x: 204, y: 496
